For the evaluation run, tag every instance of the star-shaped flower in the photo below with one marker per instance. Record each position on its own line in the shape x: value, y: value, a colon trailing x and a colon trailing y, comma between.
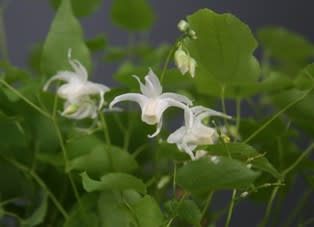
x: 189, y: 136
x: 153, y: 102
x: 77, y: 90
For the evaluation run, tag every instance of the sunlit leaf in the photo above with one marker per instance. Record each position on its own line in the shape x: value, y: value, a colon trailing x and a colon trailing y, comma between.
x: 223, y: 51
x: 244, y: 153
x: 148, y: 212
x: 213, y: 173
x: 102, y: 159
x: 113, y: 181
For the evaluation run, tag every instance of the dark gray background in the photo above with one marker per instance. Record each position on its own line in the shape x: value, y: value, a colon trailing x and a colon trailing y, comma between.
x: 27, y: 22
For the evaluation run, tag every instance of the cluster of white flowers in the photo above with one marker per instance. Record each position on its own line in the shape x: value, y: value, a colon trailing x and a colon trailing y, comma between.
x: 153, y: 103
x: 80, y: 102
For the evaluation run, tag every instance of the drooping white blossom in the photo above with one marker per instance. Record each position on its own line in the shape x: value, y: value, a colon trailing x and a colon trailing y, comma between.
x: 189, y: 136
x: 77, y: 91
x: 153, y: 102
x: 184, y: 62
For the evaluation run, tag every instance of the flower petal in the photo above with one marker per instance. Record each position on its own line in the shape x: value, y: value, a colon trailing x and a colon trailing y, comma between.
x: 188, y: 150
x: 153, y: 83
x: 177, y: 97
x: 140, y: 99
x: 177, y: 136
x: 79, y: 69
x: 62, y: 75
x: 158, y: 129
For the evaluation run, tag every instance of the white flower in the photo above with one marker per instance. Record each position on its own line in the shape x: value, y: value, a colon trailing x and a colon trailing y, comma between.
x: 188, y: 136
x: 153, y: 102
x: 77, y: 85
x: 77, y: 91
x: 184, y: 62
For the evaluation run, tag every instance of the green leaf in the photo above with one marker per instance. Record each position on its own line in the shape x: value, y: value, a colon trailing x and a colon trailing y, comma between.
x: 102, y: 159
x: 65, y: 33
x: 89, y: 217
x: 113, y: 181
x: 81, y: 8
x: 39, y: 214
x: 133, y: 15
x: 244, y: 153
x: 214, y: 173
x: 97, y: 44
x: 148, y: 212
x: 112, y: 211
x: 186, y: 210
x: 289, y: 49
x: 223, y: 51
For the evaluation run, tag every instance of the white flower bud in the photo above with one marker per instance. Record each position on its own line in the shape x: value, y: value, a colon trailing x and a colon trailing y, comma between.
x: 183, y: 26
x: 192, y: 34
x: 181, y: 59
x: 184, y: 62
x: 244, y: 194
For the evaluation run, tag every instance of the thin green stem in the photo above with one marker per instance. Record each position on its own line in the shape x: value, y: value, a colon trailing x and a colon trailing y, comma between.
x: 167, y: 62
x: 207, y: 203
x: 179, y: 204
x: 238, y: 113
x: 42, y: 184
x: 223, y: 104
x: 279, y: 182
x: 66, y: 161
x: 174, y: 177
x: 276, y: 116
x: 4, y: 202
x: 55, y: 105
x: 25, y: 99
x: 298, y: 207
x: 270, y: 205
x: 18, y: 218
x: 231, y: 207
x: 299, y: 159
x: 105, y: 128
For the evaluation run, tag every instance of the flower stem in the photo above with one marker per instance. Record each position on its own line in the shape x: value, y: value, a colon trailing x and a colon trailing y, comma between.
x: 207, y: 203
x: 300, y: 205
x: 284, y: 174
x: 41, y: 183
x: 230, y: 211
x: 299, y: 159
x: 270, y: 205
x: 238, y: 113
x: 16, y: 92
x: 167, y: 62
x: 276, y: 116
x: 105, y: 128
x: 66, y: 161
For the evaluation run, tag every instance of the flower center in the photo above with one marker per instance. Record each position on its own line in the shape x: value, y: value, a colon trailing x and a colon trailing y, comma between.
x: 150, y: 112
